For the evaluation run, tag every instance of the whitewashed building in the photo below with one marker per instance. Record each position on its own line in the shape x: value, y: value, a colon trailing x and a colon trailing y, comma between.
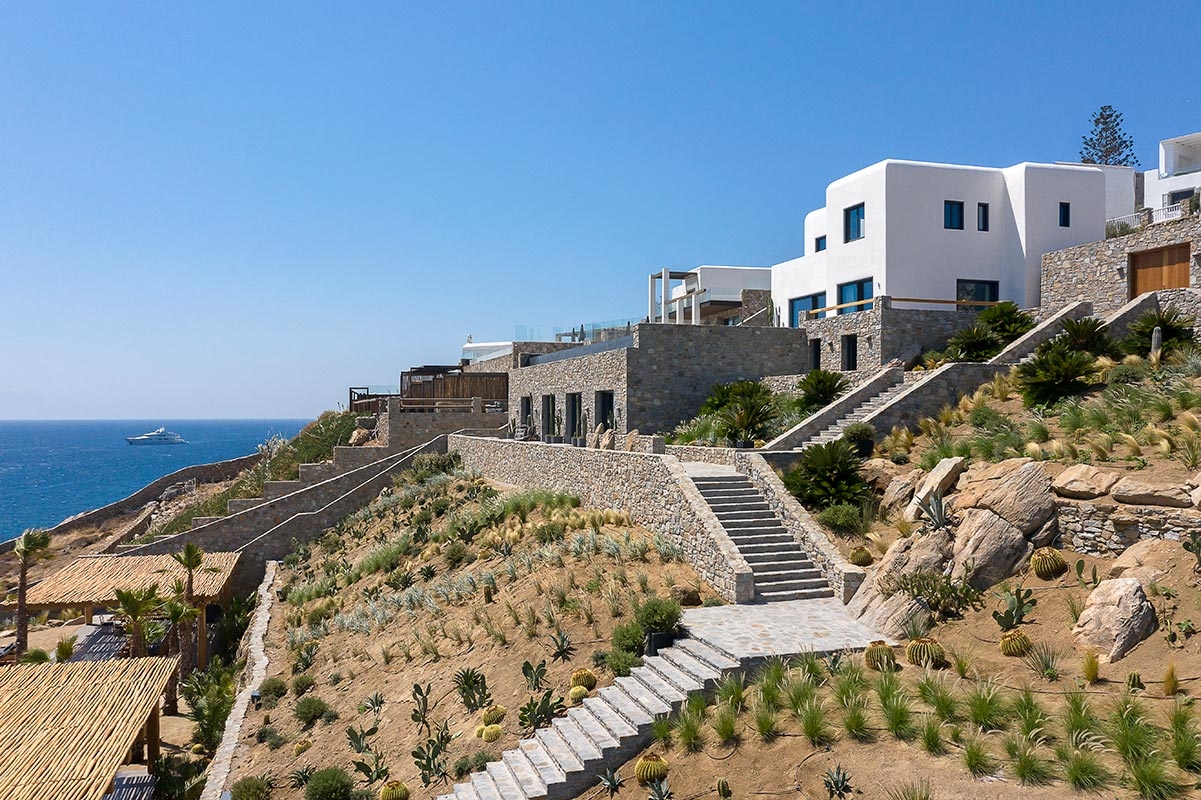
x: 927, y: 231
x: 1178, y: 178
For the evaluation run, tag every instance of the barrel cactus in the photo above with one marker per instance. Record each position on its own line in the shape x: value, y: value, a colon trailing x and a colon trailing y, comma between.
x: 723, y: 789
x: 860, y: 557
x: 1134, y: 682
x: 494, y: 715
x: 394, y: 790
x: 879, y: 656
x: 1015, y: 643
x: 300, y: 746
x: 577, y: 694
x: 926, y: 652
x: 1048, y: 563
x: 651, y: 767
x: 479, y: 731
x: 492, y: 733
x: 584, y: 677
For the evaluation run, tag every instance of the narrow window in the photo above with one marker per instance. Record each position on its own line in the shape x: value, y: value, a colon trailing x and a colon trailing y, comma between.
x: 819, y: 244
x: 982, y: 216
x: 1065, y: 215
x: 850, y: 352
x: 952, y: 215
x: 853, y: 292
x: 815, y: 354
x: 852, y: 223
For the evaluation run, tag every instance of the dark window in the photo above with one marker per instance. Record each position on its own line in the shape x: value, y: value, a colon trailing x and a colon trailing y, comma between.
x: 548, y: 415
x: 1065, y: 215
x: 527, y: 411
x: 852, y: 223
x: 982, y: 216
x: 850, y: 352
x: 797, y: 307
x: 853, y: 292
x: 983, y: 291
x: 574, y: 421
x: 1177, y: 197
x: 815, y: 354
x: 952, y: 214
x: 819, y: 244
x: 603, y: 405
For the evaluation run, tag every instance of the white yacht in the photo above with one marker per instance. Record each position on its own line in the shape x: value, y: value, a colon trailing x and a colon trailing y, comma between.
x: 160, y: 436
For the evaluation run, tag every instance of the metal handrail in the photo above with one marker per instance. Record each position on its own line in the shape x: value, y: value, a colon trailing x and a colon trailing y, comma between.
x: 871, y: 301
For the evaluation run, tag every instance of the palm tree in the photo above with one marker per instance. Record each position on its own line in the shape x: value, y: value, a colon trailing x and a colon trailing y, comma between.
x: 137, y: 607
x: 178, y: 614
x: 191, y: 558
x: 32, y: 544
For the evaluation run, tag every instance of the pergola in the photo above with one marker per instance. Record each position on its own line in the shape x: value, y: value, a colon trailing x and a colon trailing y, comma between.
x: 90, y: 582
x: 67, y: 728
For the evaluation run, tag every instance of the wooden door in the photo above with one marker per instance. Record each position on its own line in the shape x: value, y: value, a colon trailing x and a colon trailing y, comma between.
x: 1166, y: 268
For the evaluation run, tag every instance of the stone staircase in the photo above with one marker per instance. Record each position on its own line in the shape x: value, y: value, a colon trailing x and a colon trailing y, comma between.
x: 856, y: 414
x: 782, y: 568
x: 605, y: 730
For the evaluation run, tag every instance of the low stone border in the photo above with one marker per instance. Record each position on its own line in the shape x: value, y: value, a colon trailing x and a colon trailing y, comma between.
x: 222, y: 765
x: 1107, y: 530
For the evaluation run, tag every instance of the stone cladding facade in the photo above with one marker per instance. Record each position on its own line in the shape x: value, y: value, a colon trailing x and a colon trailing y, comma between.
x: 1105, y: 529
x: 653, y: 489
x: 1100, y: 271
x: 885, y: 333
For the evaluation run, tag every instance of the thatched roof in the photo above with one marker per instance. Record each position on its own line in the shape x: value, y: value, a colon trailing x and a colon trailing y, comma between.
x: 66, y: 728
x: 91, y: 580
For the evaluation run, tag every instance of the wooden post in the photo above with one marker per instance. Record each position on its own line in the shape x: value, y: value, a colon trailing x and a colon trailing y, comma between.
x: 87, y: 615
x: 202, y: 639
x: 152, y: 739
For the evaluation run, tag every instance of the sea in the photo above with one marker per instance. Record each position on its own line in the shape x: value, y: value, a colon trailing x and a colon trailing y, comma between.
x: 51, y: 470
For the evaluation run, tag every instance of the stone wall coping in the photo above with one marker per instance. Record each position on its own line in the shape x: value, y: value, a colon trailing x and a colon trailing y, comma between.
x: 1043, y: 331
x: 844, y: 577
x: 825, y: 417
x: 707, y: 455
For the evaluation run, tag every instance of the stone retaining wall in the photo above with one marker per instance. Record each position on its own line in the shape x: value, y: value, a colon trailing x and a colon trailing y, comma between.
x: 844, y: 577
x: 942, y: 386
x: 1107, y: 529
x: 817, y: 422
x: 653, y: 489
x: 1046, y: 329
x: 1100, y: 270
x: 707, y: 455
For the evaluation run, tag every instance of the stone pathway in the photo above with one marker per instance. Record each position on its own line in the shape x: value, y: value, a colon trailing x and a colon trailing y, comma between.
x: 608, y: 728
x: 754, y: 632
x: 701, y: 469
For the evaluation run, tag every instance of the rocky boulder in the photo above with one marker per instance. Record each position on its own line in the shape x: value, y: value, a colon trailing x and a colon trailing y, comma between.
x: 1143, y: 560
x: 1084, y: 482
x: 987, y: 548
x: 940, y: 479
x: 1136, y: 493
x: 1018, y: 490
x: 685, y: 595
x: 889, y: 615
x: 877, y: 602
x: 359, y: 437
x: 1116, y: 617
x: 900, y: 491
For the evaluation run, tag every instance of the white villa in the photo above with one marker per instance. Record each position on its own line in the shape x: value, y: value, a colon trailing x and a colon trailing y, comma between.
x: 707, y: 294
x: 946, y: 232
x: 1179, y: 175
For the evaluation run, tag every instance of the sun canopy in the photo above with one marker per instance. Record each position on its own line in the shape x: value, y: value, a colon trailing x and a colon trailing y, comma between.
x: 92, y: 580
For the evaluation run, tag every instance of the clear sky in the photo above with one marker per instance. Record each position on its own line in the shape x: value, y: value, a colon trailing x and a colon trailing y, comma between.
x: 240, y: 209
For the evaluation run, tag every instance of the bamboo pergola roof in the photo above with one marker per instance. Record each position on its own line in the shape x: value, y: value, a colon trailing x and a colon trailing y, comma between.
x: 66, y: 728
x: 91, y: 580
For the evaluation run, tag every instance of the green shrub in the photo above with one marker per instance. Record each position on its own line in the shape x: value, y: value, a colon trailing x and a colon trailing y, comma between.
x: 329, y: 784
x: 302, y: 683
x: 274, y: 688
x: 974, y: 343
x: 1088, y: 335
x: 252, y: 788
x: 550, y: 532
x: 745, y: 419
x: 427, y: 465
x: 620, y: 662
x: 1177, y: 330
x: 268, y: 735
x: 1127, y: 374
x: 723, y: 394
x: 629, y: 637
x: 846, y: 518
x: 658, y: 615
x: 1006, y: 320
x: 310, y: 709
x: 826, y: 475
x: 821, y: 387
x: 859, y: 432
x: 1054, y: 374
x: 458, y: 554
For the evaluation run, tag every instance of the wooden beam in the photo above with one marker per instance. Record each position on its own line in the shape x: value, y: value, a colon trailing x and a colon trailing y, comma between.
x: 152, y: 738
x: 202, y: 638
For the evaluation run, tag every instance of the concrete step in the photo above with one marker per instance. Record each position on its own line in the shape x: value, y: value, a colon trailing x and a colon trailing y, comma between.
x: 763, y: 538
x: 644, y: 695
x: 706, y: 653
x: 798, y: 594
x: 660, y: 686
x: 747, y: 548
x: 633, y: 712
x: 524, y: 773
x: 502, y: 776
x: 485, y: 787
x: 465, y: 791
x: 559, y: 751
x: 794, y: 584
x: 738, y: 505
x: 792, y: 555
x: 548, y: 771
x: 669, y: 672
x: 759, y: 530
x: 747, y: 522
x: 729, y: 492
x: 602, y: 737
x: 617, y: 725
x: 773, y: 575
x: 580, y: 742
x: 700, y: 671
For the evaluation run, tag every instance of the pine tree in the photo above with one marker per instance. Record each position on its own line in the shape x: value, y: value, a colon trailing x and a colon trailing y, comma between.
x: 1108, y: 143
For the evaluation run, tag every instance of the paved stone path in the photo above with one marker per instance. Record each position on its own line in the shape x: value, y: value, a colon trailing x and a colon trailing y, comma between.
x: 700, y: 469
x: 788, y: 628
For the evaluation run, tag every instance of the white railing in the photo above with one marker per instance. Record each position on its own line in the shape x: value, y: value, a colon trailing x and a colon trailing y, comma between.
x: 1119, y: 226
x: 1167, y: 213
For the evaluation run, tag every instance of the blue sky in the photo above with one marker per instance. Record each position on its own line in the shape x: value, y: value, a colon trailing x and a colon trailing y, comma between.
x: 238, y: 210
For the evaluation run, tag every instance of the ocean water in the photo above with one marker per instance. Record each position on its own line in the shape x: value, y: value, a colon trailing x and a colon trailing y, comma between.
x: 51, y: 470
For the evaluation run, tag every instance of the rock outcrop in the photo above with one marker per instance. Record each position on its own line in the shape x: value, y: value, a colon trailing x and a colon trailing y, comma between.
x: 1084, y: 482
x: 1136, y: 493
x: 1017, y: 490
x: 900, y: 491
x: 940, y: 479
x: 1116, y: 617
x: 988, y: 549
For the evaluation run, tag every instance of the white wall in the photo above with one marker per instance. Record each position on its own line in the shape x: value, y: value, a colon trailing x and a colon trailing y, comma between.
x: 1182, y: 153
x: 725, y: 283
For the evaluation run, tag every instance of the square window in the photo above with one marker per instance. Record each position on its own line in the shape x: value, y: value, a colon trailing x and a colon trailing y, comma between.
x: 952, y: 215
x: 853, y: 292
x: 799, y: 308
x: 852, y: 223
x: 1065, y: 215
x: 982, y: 216
x: 819, y: 244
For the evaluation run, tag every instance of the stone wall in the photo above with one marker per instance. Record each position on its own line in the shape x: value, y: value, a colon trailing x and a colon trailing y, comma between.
x: 707, y: 455
x: 201, y: 473
x: 825, y: 417
x: 411, y: 428
x: 940, y: 387
x: 597, y: 372
x: 653, y: 489
x: 1106, y: 529
x: 1044, y: 330
x: 886, y: 333
x: 1100, y: 271
x: 844, y: 577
